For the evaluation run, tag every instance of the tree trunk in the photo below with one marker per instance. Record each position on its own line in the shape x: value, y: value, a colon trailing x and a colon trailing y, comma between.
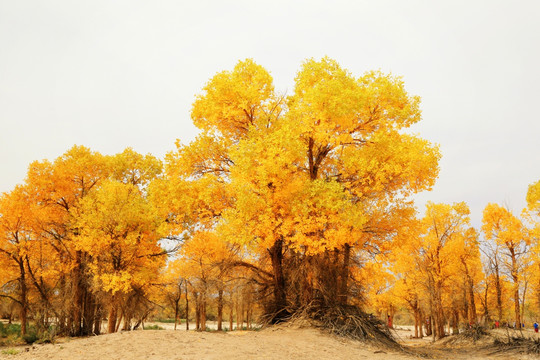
x: 523, y: 301
x: 280, y: 298
x: 24, y: 297
x: 499, y: 293
x: 421, y: 322
x: 429, y: 327
x: 231, y: 310
x: 203, y: 312
x: 515, y: 278
x: 176, y: 313
x: 187, y: 308
x: 119, y: 322
x: 89, y: 313
x: 197, y: 312
x: 455, y: 322
x: 485, y: 305
x: 344, y: 289
x: 127, y: 321
x: 239, y: 314
x: 472, y: 304
x: 97, y: 320
x: 248, y: 313
x: 111, y: 321
x: 437, y: 311
x: 415, y: 324
x: 220, y: 310
x: 517, y: 308
x: 78, y: 295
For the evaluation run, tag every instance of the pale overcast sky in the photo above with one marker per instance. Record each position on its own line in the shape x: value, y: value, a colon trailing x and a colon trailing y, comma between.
x: 112, y: 74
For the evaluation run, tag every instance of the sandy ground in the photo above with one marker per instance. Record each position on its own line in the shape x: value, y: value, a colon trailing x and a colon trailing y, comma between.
x: 281, y: 342
x: 274, y: 343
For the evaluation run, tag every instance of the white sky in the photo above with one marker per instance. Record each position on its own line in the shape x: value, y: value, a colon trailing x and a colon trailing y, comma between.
x: 112, y: 74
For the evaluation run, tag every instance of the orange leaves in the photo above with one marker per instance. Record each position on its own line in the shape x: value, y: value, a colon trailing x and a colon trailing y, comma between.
x: 91, y: 210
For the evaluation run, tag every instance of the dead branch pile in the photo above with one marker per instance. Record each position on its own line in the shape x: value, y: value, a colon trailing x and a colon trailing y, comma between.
x: 475, y: 332
x: 518, y: 344
x: 347, y: 321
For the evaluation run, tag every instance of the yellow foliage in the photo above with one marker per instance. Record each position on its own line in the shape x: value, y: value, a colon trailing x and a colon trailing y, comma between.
x: 118, y: 229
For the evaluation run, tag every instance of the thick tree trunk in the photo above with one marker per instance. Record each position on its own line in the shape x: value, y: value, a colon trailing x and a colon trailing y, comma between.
x: 97, y: 320
x: 498, y: 292
x: 89, y: 313
x: 438, y: 320
x: 455, y: 322
x: 429, y: 326
x: 220, y: 310
x: 127, y: 321
x: 343, y: 288
x: 517, y: 308
x: 24, y: 297
x: 113, y: 314
x: 239, y: 314
x: 187, y: 308
x: 416, y: 324
x: 515, y: 278
x: 119, y: 322
x: 197, y: 312
x: 421, y: 322
x: 203, y: 312
x: 248, y: 313
x: 231, y: 310
x: 78, y: 295
x: 472, y: 304
x: 175, y: 314
x: 437, y: 311
x: 486, y: 316
x: 523, y: 301
x: 280, y: 298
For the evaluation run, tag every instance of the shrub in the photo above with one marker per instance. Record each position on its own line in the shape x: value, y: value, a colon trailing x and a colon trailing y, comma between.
x: 153, y: 327
x: 9, y: 329
x: 30, y: 337
x: 10, y: 352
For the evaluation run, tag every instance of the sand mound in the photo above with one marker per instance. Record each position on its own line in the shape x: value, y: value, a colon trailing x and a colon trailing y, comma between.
x: 279, y: 342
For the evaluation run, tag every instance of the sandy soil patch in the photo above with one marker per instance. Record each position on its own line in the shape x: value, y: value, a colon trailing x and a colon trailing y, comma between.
x: 272, y: 343
x: 281, y: 342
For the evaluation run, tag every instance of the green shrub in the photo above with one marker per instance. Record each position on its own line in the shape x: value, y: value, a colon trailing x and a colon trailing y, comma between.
x: 10, y: 352
x: 30, y: 337
x: 9, y: 329
x: 153, y: 327
x: 166, y: 321
x: 47, y: 336
x: 11, y: 334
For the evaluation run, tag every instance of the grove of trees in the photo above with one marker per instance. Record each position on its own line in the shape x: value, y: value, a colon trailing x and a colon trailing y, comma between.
x: 281, y: 205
